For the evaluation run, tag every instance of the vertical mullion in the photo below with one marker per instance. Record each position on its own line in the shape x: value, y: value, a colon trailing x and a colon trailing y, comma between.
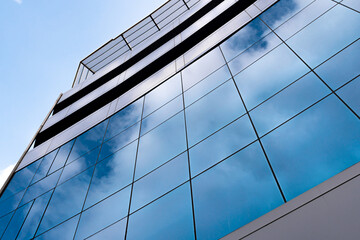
x: 254, y: 128
x: 188, y: 157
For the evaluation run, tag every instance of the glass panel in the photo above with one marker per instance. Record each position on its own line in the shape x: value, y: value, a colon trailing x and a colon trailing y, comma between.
x: 321, y: 39
x: 213, y: 111
x: 256, y: 51
x: 44, y: 166
x: 350, y: 94
x: 202, y: 68
x: 41, y: 187
x: 287, y: 103
x: 112, y: 174
x: 114, y: 232
x: 4, y: 221
x: 282, y: 11
x: 170, y: 217
x: 161, y: 144
x: 206, y: 85
x: 88, y: 140
x: 124, y: 118
x: 33, y: 219
x: 354, y: 4
x: 233, y: 193
x: 103, y: 214
x: 221, y: 144
x: 314, y: 146
x: 162, y: 180
x: 162, y: 94
x: 81, y: 164
x: 66, y: 201
x: 16, y: 222
x: 342, y: 67
x: 119, y: 141
x: 9, y: 204
x: 64, y: 231
x: 20, y: 180
x: 244, y: 38
x: 268, y: 75
x: 61, y: 157
x: 305, y: 17
x: 162, y: 114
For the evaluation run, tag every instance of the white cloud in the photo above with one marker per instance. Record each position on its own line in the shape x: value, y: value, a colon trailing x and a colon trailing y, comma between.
x: 4, y: 174
x: 18, y: 1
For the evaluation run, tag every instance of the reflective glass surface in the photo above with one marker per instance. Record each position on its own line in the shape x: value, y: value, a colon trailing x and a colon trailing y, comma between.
x: 307, y: 150
x: 213, y: 112
x: 183, y: 158
x: 112, y: 174
x: 237, y: 191
x: 152, y: 155
x: 167, y: 218
x: 342, y: 67
x: 320, y: 40
x: 66, y: 201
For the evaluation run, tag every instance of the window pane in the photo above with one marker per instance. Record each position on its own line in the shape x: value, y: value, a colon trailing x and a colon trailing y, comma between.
x: 256, y: 51
x: 103, y: 214
x: 114, y: 144
x: 9, y: 204
x: 202, y: 68
x: 41, y: 187
x: 162, y: 114
x: 114, y: 232
x: 124, y: 118
x: 112, y: 174
x: 350, y: 94
x: 162, y: 94
x: 61, y: 157
x: 66, y: 201
x: 233, y: 193
x: 44, y: 166
x: 244, y: 38
x: 206, y: 85
x: 170, y: 217
x: 64, y: 231
x: 34, y: 217
x: 20, y: 180
x: 16, y: 222
x: 221, y: 144
x: 162, y: 180
x: 287, y: 103
x: 342, y: 67
x: 4, y: 221
x: 268, y: 75
x: 79, y: 165
x: 88, y: 140
x: 213, y: 111
x: 161, y: 144
x: 314, y: 146
x: 321, y: 39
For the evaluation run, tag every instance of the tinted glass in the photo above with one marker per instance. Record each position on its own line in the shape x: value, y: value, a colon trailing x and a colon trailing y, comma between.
x: 170, y: 217
x: 44, y: 166
x: 114, y: 232
x: 233, y: 193
x: 61, y: 157
x: 308, y: 150
x: 66, y: 201
x: 9, y: 204
x: 166, y: 146
x: 162, y: 180
x: 64, y: 231
x: 213, y: 111
x: 112, y: 174
x: 350, y: 94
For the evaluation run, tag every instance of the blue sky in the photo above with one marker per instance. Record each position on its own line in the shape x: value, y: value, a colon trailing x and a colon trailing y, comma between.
x: 41, y: 45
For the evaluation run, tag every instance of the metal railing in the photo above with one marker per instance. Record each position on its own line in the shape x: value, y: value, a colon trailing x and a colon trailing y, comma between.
x: 131, y: 38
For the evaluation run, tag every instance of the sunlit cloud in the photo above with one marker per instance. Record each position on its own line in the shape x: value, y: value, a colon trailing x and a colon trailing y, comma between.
x: 4, y: 174
x: 18, y: 1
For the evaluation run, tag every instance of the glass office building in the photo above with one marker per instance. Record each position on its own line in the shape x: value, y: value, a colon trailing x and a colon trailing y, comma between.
x: 202, y: 119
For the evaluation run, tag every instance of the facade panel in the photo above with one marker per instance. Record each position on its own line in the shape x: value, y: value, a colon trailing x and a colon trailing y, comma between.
x: 245, y: 123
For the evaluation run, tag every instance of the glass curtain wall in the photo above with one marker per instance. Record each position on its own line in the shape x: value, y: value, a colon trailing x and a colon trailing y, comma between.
x: 268, y: 114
